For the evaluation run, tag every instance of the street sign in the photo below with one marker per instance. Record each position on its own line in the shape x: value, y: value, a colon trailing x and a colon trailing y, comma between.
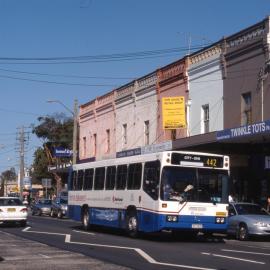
x: 46, y: 182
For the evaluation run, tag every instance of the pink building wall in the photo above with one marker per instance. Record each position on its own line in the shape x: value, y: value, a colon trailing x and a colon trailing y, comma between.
x: 172, y: 81
x: 96, y: 118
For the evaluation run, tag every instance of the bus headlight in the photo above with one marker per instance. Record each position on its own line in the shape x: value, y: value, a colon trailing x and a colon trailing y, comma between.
x: 171, y: 218
x: 220, y: 220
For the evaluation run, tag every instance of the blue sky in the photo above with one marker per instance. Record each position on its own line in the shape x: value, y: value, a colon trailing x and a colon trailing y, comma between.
x: 73, y: 28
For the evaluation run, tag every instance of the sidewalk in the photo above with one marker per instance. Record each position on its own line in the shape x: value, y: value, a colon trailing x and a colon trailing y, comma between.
x: 21, y: 254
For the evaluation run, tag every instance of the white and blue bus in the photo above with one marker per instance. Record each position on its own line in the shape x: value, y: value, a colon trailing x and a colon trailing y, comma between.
x: 170, y: 190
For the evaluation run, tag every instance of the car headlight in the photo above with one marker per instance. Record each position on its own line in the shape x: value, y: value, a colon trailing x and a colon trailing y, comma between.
x: 260, y: 224
x: 63, y: 207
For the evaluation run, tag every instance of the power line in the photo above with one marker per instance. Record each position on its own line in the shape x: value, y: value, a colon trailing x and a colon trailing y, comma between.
x: 104, y: 57
x: 54, y: 82
x: 67, y: 75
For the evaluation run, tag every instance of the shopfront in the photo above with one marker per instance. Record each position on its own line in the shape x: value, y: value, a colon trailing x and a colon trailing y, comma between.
x: 249, y: 150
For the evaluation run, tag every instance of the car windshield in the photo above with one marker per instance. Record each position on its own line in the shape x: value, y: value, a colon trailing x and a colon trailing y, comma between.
x: 10, y: 202
x: 199, y: 185
x: 63, y: 201
x: 45, y: 202
x: 250, y: 209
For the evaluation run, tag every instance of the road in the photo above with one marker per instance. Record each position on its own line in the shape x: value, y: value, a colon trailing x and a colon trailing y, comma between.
x: 149, y: 252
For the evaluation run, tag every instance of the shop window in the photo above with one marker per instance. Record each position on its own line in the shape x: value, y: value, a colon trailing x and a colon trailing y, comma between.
x: 205, y: 118
x: 246, y: 109
x: 146, y: 132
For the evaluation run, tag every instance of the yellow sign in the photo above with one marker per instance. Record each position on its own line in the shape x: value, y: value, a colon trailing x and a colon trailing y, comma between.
x: 173, y: 112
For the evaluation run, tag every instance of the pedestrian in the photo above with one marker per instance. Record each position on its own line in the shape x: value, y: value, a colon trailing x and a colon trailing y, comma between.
x: 268, y: 204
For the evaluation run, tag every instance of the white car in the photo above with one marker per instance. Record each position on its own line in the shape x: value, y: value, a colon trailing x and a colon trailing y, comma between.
x: 12, y: 210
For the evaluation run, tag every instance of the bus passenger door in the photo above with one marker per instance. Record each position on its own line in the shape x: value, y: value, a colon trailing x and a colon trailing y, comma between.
x: 149, y: 200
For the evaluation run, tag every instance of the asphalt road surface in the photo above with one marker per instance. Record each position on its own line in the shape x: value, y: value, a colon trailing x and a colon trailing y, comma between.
x: 157, y: 251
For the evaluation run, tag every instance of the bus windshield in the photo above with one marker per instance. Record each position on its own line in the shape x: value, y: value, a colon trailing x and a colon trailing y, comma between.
x: 194, y: 184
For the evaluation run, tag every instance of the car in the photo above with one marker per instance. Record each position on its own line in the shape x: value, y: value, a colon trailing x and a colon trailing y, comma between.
x: 12, y: 210
x: 42, y: 207
x: 59, y: 207
x: 247, y: 219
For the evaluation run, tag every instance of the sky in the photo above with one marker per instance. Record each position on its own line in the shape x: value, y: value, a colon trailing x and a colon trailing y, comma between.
x: 80, y: 49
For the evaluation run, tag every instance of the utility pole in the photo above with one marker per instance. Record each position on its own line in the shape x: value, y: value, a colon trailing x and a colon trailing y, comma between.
x: 21, y: 140
x: 75, y: 132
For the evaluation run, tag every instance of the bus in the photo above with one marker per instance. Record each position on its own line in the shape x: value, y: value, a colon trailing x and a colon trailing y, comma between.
x: 182, y: 192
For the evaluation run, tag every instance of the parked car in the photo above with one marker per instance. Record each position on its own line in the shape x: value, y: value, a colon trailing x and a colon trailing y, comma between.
x: 12, y: 210
x: 59, y: 207
x: 248, y: 219
x: 42, y: 207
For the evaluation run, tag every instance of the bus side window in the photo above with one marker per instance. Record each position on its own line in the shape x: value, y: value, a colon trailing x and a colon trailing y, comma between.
x: 99, y: 178
x: 134, y: 176
x: 80, y: 180
x: 121, y: 177
x: 151, y: 178
x: 74, y: 180
x: 110, y: 177
x: 88, y: 179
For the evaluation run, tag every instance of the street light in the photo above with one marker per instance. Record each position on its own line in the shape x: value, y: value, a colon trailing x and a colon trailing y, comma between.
x: 75, y: 125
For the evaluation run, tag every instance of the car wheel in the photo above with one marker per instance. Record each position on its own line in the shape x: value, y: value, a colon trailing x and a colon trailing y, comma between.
x: 59, y: 214
x: 39, y: 213
x: 86, y: 219
x: 243, y: 232
x: 132, y: 224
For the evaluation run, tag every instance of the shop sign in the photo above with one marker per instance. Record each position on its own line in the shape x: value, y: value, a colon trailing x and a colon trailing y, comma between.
x: 248, y: 130
x: 173, y: 112
x: 62, y: 152
x: 46, y: 182
x: 128, y: 153
x: 165, y: 146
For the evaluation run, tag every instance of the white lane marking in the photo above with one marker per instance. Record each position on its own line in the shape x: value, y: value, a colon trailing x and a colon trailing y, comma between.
x: 143, y: 254
x: 246, y: 252
x: 83, y: 232
x: 44, y: 256
x: 50, y: 233
x: 232, y: 258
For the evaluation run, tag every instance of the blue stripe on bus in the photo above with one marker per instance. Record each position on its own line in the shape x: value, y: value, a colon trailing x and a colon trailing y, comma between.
x: 148, y: 221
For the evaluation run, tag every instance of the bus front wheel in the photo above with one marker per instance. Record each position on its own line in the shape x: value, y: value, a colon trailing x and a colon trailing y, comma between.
x: 86, y: 219
x: 132, y: 224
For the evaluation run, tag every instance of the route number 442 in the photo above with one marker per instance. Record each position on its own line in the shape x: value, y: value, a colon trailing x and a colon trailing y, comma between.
x: 211, y: 162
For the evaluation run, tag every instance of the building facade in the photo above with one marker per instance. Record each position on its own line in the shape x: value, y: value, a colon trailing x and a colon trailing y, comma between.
x: 172, y: 82
x: 205, y: 91
x: 226, y: 90
x: 97, y: 128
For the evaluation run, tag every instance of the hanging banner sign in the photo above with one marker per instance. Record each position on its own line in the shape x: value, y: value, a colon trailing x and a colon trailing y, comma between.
x: 173, y: 112
x: 62, y: 152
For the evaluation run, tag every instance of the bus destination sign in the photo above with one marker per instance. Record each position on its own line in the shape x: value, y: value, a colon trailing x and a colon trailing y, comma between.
x: 197, y: 160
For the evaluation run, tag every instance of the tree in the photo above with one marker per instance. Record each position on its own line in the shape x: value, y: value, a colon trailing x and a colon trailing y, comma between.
x: 55, y: 131
x: 6, y: 177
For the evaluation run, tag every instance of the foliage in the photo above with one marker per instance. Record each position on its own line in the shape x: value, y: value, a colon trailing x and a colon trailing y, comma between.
x: 55, y: 131
x: 7, y: 176
x: 40, y: 166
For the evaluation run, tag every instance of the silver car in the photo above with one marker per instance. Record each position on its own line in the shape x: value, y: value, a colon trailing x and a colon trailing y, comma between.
x: 247, y: 219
